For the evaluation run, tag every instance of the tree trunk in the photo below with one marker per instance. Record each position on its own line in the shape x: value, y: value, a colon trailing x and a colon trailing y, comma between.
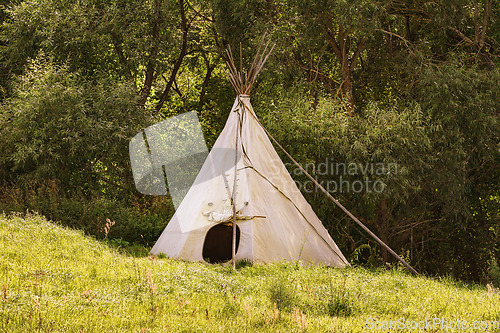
x: 347, y: 88
x: 206, y: 80
x: 150, y: 68
x: 178, y: 63
x: 337, y: 42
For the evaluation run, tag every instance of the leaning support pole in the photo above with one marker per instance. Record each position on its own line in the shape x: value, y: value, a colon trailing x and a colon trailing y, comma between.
x: 340, y: 205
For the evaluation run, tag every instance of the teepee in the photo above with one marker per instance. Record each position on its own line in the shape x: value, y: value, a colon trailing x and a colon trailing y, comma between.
x: 244, y: 186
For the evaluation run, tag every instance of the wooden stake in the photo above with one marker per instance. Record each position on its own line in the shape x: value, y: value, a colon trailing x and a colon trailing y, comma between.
x: 233, y: 197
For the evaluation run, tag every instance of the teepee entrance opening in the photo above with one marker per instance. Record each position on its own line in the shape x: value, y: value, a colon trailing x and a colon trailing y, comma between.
x: 218, y: 243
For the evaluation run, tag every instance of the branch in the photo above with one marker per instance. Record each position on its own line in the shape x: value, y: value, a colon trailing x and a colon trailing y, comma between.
x: 178, y: 63
x: 413, y: 225
x: 486, y: 17
x: 315, y: 71
x: 148, y: 81
x: 407, y: 42
x: 175, y: 87
x: 486, y: 56
x: 208, y: 75
x: 119, y: 51
x: 342, y: 44
x: 402, y: 9
x: 359, y: 48
x: 328, y: 28
x: 476, y: 22
x: 461, y: 35
x: 206, y: 18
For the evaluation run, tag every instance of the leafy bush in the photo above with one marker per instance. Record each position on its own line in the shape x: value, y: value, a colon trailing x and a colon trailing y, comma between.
x: 340, y: 302
x: 444, y: 143
x: 65, y: 154
x: 282, y: 294
x: 494, y: 273
x: 242, y: 263
x: 140, y: 224
x: 62, y: 127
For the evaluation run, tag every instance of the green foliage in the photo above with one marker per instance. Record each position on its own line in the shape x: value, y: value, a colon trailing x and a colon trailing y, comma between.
x: 356, y: 255
x: 93, y: 37
x: 231, y: 307
x: 242, y: 263
x: 445, y: 158
x: 61, y: 127
x: 494, y: 273
x: 140, y: 223
x: 381, y: 139
x: 64, y: 152
x: 461, y: 102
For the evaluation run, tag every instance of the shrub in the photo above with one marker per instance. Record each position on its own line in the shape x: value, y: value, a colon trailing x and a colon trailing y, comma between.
x: 282, y: 294
x: 340, y: 302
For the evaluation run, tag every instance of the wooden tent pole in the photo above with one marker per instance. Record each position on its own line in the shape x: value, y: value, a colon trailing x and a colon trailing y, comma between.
x: 340, y: 205
x: 242, y: 87
x: 233, y: 197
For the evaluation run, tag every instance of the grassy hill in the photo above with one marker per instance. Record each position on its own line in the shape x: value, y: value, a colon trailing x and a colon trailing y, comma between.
x: 57, y: 280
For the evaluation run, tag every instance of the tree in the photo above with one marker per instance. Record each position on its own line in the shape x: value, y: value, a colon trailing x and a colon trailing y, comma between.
x: 58, y: 126
x: 146, y: 43
x: 330, y: 37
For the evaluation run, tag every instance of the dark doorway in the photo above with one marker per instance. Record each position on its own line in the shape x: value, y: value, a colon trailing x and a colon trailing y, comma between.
x: 218, y: 243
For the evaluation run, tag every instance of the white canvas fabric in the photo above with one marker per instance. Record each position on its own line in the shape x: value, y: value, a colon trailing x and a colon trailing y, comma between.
x: 275, y: 220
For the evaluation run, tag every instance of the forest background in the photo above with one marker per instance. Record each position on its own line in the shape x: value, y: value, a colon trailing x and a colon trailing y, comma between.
x: 411, y: 83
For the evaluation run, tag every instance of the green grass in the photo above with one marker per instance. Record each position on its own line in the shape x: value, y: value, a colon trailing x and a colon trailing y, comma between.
x: 58, y: 280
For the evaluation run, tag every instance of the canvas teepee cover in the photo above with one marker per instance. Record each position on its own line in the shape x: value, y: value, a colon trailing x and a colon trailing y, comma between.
x: 274, y: 220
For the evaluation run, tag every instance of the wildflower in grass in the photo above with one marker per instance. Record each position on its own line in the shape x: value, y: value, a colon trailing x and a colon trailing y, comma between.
x: 151, y: 284
x: 4, y: 293
x: 300, y: 318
